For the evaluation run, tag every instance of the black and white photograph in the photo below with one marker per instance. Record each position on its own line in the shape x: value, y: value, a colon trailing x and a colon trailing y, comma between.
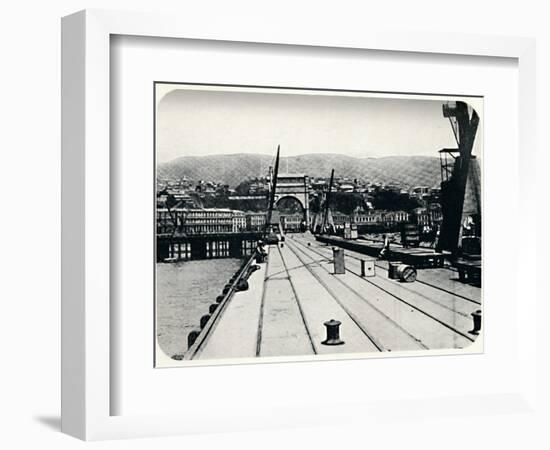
x: 302, y: 224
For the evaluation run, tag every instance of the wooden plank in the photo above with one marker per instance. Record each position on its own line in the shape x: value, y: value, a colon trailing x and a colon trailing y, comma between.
x: 283, y: 332
x: 235, y: 334
x: 387, y: 334
x: 429, y: 331
x: 442, y: 278
x: 319, y: 306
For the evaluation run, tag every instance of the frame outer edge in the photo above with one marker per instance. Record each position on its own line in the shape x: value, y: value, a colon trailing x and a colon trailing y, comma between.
x: 528, y: 207
x: 85, y: 37
x: 73, y: 82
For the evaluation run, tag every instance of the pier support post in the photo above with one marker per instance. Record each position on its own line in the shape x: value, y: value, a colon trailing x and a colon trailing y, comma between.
x: 235, y: 246
x: 198, y: 249
x: 163, y: 250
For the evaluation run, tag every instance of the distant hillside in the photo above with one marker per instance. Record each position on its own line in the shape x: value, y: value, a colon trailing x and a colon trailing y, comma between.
x: 232, y: 169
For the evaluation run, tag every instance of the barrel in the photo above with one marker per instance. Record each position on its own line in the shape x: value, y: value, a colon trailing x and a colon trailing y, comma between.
x: 392, y: 269
x: 406, y: 273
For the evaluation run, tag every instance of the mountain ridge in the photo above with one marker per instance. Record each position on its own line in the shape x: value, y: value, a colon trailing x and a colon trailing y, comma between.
x: 233, y: 168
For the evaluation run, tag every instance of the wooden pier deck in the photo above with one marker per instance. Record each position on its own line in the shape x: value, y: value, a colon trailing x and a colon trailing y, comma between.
x: 295, y: 292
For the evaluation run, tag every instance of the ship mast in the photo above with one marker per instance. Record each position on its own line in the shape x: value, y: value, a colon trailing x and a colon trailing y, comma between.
x: 273, y: 189
x: 327, y: 202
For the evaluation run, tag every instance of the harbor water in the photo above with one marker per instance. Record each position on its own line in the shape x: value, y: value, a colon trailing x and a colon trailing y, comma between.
x: 185, y: 290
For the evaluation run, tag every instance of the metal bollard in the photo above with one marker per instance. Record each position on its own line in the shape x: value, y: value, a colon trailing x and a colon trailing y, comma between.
x: 242, y: 285
x: 339, y: 264
x: 192, y: 337
x: 204, y: 320
x: 476, y: 315
x: 333, y: 333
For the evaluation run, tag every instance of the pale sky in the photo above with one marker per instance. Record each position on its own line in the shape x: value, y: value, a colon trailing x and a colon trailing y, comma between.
x: 192, y: 122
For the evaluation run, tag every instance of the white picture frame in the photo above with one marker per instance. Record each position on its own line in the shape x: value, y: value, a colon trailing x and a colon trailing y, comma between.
x: 86, y: 384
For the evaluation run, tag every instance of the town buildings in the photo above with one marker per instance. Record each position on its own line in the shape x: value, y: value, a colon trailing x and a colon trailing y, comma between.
x: 255, y: 221
x: 207, y: 221
x: 239, y: 221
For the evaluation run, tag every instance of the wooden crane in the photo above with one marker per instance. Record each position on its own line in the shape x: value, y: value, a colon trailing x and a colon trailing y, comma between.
x: 464, y: 122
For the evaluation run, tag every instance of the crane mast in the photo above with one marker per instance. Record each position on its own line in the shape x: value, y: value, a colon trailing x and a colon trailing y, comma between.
x: 464, y: 122
x: 327, y: 202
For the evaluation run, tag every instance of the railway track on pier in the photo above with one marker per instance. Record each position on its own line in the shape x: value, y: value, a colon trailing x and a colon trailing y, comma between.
x: 426, y: 283
x: 354, y: 316
x: 415, y: 305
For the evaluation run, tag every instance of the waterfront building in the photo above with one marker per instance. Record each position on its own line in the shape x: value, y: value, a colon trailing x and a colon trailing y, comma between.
x: 165, y: 221
x: 395, y: 217
x: 239, y: 221
x: 194, y: 221
x: 292, y: 222
x: 430, y: 215
x: 371, y: 217
x: 255, y: 221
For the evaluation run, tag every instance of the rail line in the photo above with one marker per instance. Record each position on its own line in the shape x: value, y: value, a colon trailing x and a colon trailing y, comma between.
x: 425, y: 297
x: 360, y: 295
x: 261, y: 317
x: 352, y: 316
x: 313, y: 347
x: 431, y: 316
x: 435, y: 302
x: 418, y: 281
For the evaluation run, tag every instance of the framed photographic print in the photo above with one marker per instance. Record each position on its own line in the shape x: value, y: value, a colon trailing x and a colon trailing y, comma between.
x: 233, y: 198
x: 360, y: 235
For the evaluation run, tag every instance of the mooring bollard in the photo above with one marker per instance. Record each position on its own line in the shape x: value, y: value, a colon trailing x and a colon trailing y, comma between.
x: 476, y: 315
x: 333, y: 333
x: 204, y: 320
x: 339, y: 264
x: 242, y: 285
x: 192, y: 337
